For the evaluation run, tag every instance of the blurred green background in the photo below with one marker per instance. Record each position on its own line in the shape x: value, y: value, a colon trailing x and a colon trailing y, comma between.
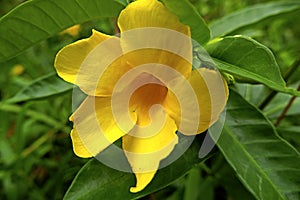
x: 36, y: 157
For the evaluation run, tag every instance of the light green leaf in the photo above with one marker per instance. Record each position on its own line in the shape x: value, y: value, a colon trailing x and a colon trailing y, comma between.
x: 37, y: 20
x: 274, y: 109
x: 97, y: 181
x: 266, y: 164
x: 248, y: 61
x: 188, y: 15
x: 251, y: 15
x: 8, y: 155
x: 44, y: 86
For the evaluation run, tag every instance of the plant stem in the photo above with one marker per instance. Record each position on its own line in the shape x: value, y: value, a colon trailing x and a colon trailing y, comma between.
x: 35, y: 115
x: 203, y: 166
x: 287, y: 75
x: 267, y: 100
x: 286, y: 109
x: 39, y: 142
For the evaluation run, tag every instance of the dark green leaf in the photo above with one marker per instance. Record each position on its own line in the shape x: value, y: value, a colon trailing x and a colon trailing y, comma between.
x: 234, y: 188
x: 251, y: 15
x: 192, y: 184
x: 207, y: 188
x: 37, y: 20
x: 44, y: 86
x: 266, y: 164
x: 204, y: 190
x: 97, y: 181
x: 188, y: 15
x: 248, y: 61
x: 291, y: 134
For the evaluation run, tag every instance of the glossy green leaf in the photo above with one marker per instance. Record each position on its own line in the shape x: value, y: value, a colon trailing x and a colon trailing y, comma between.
x: 251, y: 15
x: 97, y: 181
x: 37, y: 20
x: 248, y: 61
x: 188, y: 15
x: 291, y: 134
x: 266, y: 164
x: 44, y: 86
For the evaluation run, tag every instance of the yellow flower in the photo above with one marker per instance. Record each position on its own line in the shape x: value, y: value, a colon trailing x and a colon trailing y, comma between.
x: 73, y: 30
x: 17, y: 70
x: 140, y: 88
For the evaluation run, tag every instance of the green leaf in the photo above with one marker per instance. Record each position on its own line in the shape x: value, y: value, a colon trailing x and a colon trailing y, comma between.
x: 37, y: 20
x: 192, y: 184
x: 44, y: 86
x: 97, y: 181
x: 291, y: 134
x: 274, y: 109
x: 248, y: 61
x: 123, y: 2
x: 251, y: 15
x: 266, y: 164
x: 203, y: 188
x: 188, y: 15
x: 227, y: 178
x: 8, y: 155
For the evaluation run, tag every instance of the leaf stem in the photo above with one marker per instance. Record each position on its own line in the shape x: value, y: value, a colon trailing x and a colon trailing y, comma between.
x: 288, y: 74
x: 286, y: 109
x: 203, y: 166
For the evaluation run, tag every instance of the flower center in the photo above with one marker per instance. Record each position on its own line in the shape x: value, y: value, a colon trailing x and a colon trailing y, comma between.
x: 143, y: 98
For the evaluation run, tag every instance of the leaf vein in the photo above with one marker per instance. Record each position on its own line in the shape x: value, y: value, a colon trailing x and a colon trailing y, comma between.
x: 81, y: 7
x: 64, y: 11
x: 32, y: 24
x: 48, y: 15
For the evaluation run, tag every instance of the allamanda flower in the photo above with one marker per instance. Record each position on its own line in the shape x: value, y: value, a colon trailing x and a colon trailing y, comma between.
x: 140, y: 87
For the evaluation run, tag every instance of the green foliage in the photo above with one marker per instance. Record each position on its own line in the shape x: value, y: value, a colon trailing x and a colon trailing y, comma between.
x: 35, y: 21
x: 256, y: 46
x: 44, y: 86
x: 266, y: 164
x: 103, y: 181
x: 248, y: 60
x: 189, y: 16
x: 251, y: 15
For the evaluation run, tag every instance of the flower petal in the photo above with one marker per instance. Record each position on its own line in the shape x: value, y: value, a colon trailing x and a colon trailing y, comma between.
x: 94, y: 64
x: 145, y: 149
x: 69, y: 59
x: 143, y: 100
x: 151, y: 34
x: 149, y: 13
x: 137, y: 56
x: 211, y: 92
x: 79, y: 147
x: 142, y: 180
x: 95, y: 127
